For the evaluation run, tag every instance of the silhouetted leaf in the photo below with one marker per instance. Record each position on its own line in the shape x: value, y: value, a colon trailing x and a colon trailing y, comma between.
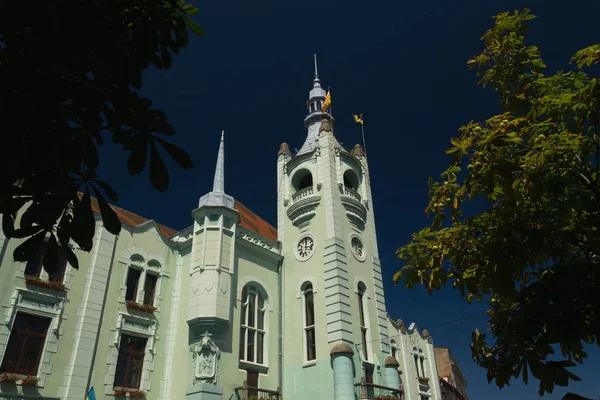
x: 159, y: 175
x: 162, y: 127
x: 83, y: 224
x: 110, y: 192
x: 137, y: 159
x: 180, y: 156
x: 26, y: 250
x: 109, y: 217
x: 51, y: 259
x: 71, y: 257
x: 27, y: 231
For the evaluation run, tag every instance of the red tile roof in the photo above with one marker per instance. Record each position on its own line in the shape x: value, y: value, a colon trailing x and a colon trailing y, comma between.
x: 253, y: 222
x: 248, y: 220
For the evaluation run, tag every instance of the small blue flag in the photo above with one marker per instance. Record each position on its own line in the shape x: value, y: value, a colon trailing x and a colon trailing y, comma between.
x: 91, y: 394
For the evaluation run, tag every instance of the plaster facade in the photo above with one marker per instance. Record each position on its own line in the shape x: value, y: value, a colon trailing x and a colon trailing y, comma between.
x: 229, y: 304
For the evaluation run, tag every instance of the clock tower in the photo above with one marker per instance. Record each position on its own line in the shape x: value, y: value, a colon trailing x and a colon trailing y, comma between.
x: 334, y: 326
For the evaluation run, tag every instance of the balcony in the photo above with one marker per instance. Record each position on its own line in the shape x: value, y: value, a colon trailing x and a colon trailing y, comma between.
x: 348, y: 191
x: 352, y: 202
x: 302, y: 193
x: 304, y: 205
x: 371, y: 391
x: 246, y: 392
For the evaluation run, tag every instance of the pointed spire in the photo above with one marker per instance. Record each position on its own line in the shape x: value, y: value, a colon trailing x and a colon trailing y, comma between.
x: 316, y: 71
x: 219, y: 182
x: 217, y: 197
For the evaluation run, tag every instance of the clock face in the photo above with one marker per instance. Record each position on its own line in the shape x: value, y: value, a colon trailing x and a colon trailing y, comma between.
x: 357, y: 248
x: 305, y: 248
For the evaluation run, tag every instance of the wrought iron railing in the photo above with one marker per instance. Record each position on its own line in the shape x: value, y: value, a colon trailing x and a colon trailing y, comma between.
x: 246, y: 392
x: 371, y: 391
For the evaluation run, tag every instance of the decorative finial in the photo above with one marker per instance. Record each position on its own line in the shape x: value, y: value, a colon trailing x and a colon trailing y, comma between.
x: 358, y: 151
x: 325, y: 125
x: 316, y: 71
x: 219, y: 182
x: 284, y: 149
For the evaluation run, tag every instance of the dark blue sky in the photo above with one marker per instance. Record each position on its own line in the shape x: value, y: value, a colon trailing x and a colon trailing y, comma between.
x: 402, y: 64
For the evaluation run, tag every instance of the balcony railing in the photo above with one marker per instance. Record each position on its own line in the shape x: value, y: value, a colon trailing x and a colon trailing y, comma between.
x: 246, y: 392
x: 302, y: 193
x: 371, y: 391
x: 352, y: 193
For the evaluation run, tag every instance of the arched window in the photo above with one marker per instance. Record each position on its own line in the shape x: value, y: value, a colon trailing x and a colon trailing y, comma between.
x: 419, y: 362
x: 417, y: 365
x: 363, y: 320
x: 302, y: 180
x: 351, y: 180
x: 309, y: 322
x: 252, y: 325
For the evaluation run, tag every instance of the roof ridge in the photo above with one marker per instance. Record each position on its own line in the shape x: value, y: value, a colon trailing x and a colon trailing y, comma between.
x: 248, y: 219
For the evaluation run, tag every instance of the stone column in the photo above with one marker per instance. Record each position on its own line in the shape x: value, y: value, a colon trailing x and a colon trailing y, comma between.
x: 343, y: 371
x: 391, y: 372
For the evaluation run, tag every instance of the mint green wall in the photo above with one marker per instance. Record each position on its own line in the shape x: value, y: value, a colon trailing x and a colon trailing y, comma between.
x: 251, y: 264
x: 150, y: 242
x: 56, y: 355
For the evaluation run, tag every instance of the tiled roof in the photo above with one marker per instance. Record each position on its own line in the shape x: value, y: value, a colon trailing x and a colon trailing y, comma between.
x: 131, y: 219
x: 248, y: 220
x: 253, y: 222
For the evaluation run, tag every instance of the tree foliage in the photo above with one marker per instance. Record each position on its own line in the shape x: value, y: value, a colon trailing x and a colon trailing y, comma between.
x: 533, y: 252
x: 70, y: 76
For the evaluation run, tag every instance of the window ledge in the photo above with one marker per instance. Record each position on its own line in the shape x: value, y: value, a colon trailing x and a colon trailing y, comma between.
x: 309, y: 363
x: 263, y: 369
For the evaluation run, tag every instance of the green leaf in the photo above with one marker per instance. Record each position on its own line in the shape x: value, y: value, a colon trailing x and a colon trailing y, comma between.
x: 196, y: 28
x: 180, y: 156
x: 190, y: 9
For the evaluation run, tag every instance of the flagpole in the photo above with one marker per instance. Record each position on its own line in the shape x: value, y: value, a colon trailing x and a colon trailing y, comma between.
x: 330, y: 105
x: 362, y: 128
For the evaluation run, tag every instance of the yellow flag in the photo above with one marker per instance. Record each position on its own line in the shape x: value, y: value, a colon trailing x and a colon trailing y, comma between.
x: 327, y: 101
x: 358, y: 120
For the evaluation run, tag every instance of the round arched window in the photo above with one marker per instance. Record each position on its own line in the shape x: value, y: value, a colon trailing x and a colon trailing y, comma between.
x: 302, y: 179
x: 351, y: 180
x: 305, y: 248
x: 358, y: 248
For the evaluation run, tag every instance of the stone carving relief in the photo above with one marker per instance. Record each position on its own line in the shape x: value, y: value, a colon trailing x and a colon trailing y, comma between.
x: 206, y: 355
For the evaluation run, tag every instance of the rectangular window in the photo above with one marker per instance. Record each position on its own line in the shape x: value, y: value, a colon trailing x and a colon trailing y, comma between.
x: 130, y: 362
x: 25, y: 345
x: 150, y: 289
x: 133, y: 279
x: 34, y: 266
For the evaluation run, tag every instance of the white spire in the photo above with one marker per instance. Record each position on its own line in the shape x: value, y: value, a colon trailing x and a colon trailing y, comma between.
x: 217, y: 197
x: 219, y: 182
x: 312, y: 121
